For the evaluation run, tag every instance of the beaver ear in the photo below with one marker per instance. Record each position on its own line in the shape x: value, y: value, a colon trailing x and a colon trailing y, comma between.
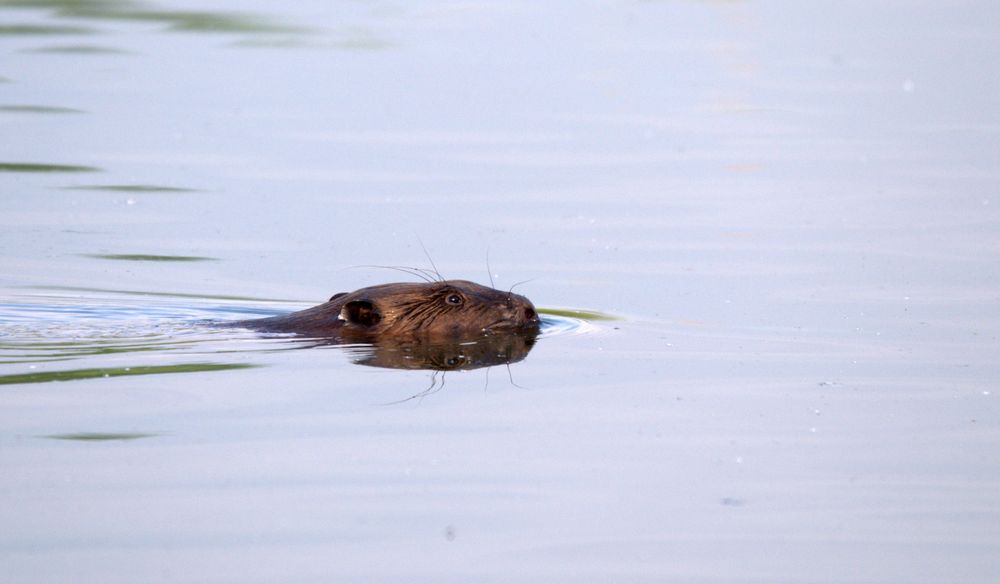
x: 336, y: 296
x: 360, y: 312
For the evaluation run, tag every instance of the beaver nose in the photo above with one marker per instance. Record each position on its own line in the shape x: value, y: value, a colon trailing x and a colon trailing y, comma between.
x: 530, y: 314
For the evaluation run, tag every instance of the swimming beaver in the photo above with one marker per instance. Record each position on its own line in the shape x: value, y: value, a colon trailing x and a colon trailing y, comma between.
x: 448, y: 309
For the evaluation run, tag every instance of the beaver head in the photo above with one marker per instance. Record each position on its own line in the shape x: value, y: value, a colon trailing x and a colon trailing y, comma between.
x: 445, y: 309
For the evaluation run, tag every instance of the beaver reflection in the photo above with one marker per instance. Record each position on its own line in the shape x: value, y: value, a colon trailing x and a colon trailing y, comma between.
x: 454, y: 355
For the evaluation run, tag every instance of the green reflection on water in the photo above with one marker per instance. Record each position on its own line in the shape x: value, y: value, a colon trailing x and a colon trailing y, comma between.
x: 100, y: 436
x: 80, y: 50
x: 41, y: 29
x: 73, y: 374
x: 354, y: 41
x: 132, y: 188
x: 67, y: 351
x: 34, y: 167
x: 127, y: 257
x: 206, y: 21
x: 178, y: 20
x: 363, y: 44
x: 166, y: 294
x: 38, y: 109
x: 581, y: 314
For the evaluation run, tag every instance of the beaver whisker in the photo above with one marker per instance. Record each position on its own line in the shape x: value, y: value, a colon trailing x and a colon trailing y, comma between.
x: 489, y: 271
x: 510, y: 376
x: 431, y: 276
x: 418, y: 272
x: 516, y: 284
x: 501, y: 324
x: 432, y: 389
x: 431, y: 260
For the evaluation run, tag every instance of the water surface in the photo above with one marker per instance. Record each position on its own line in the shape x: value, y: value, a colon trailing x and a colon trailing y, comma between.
x: 789, y: 208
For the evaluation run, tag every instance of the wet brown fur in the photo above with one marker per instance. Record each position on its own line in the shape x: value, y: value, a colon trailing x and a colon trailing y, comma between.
x: 445, y: 309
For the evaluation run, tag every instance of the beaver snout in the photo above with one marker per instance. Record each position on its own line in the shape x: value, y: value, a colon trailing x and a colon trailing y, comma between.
x: 518, y: 312
x: 526, y: 316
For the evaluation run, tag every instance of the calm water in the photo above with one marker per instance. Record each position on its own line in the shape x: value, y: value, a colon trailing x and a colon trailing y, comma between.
x: 792, y: 208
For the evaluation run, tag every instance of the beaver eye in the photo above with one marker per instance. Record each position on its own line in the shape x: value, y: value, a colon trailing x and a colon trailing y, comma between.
x: 454, y: 299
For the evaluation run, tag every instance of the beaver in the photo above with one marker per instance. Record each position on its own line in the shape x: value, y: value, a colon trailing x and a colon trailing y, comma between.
x: 434, y: 310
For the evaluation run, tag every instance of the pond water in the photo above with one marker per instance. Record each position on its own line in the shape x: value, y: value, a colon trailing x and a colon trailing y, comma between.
x: 789, y: 210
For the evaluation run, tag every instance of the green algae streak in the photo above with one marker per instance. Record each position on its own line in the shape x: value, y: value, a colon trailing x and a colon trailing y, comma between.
x: 99, y: 436
x: 35, y: 167
x: 132, y: 188
x: 135, y: 257
x: 74, y: 374
x: 581, y: 314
